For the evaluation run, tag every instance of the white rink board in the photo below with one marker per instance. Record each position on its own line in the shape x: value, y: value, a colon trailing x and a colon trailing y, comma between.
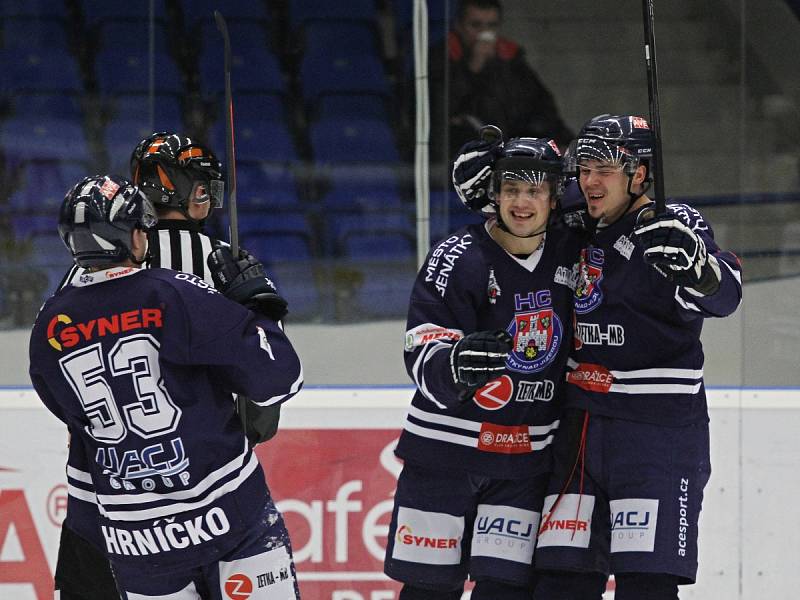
x: 749, y: 524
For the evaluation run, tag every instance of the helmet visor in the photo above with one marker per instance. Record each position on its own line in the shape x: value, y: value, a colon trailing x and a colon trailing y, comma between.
x: 208, y: 190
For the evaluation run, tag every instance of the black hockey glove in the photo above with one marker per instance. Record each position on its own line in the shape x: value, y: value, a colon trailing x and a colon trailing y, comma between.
x: 472, y: 172
x: 479, y: 357
x: 244, y: 281
x: 573, y: 210
x: 677, y: 252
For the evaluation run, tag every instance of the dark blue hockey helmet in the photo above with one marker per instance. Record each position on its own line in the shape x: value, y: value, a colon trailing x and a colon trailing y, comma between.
x: 97, y: 218
x: 532, y: 160
x: 626, y: 140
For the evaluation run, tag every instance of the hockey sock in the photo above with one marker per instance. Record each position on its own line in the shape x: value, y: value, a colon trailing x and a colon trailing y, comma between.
x: 490, y: 589
x: 646, y: 586
x: 569, y: 585
x: 409, y: 592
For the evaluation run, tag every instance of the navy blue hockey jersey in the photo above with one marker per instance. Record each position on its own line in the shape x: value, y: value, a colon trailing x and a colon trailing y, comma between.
x: 637, y: 353
x: 140, y: 364
x: 470, y: 283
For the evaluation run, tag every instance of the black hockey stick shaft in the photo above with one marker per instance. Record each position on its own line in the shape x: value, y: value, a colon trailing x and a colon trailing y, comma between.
x: 655, y: 114
x: 230, y: 150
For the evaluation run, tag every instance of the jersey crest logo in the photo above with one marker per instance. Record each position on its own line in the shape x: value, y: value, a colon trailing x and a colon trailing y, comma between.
x: 537, y: 338
x: 588, y: 293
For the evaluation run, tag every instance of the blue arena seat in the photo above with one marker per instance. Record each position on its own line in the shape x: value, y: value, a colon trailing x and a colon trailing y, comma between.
x: 270, y: 247
x: 128, y: 70
x: 335, y: 73
x: 301, y: 11
x: 353, y: 140
x: 342, y: 226
x: 33, y: 33
x: 232, y: 11
x: 38, y: 70
x: 385, y: 289
x: 355, y: 105
x: 265, y: 186
x: 62, y: 104
x: 167, y: 113
x: 44, y: 138
x: 102, y: 10
x: 133, y: 35
x: 257, y: 140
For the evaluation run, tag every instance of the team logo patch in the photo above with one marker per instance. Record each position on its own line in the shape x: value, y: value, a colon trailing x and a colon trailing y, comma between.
x: 537, y: 338
x: 505, y: 532
x: 428, y: 537
x: 495, y: 394
x: 588, y: 293
x: 238, y: 587
x: 592, y: 378
x: 633, y: 524
x: 504, y: 439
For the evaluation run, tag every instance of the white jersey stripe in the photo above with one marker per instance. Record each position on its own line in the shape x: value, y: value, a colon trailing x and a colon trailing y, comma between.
x: 444, y: 436
x: 650, y: 373
x: 81, y: 494
x: 654, y: 388
x: 79, y: 475
x: 164, y: 246
x: 187, y: 261
x: 199, y: 489
x: 205, y: 243
x: 468, y: 425
x: 170, y: 509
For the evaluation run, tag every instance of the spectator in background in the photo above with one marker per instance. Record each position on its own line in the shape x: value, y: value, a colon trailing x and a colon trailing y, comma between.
x: 489, y: 80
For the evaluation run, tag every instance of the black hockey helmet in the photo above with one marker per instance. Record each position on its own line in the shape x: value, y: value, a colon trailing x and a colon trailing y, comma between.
x: 621, y: 139
x: 97, y: 218
x: 532, y: 160
x: 167, y: 166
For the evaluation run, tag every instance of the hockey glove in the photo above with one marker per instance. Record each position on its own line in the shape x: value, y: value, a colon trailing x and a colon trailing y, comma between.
x: 479, y: 357
x: 244, y: 281
x: 677, y: 252
x: 472, y: 172
x: 573, y: 209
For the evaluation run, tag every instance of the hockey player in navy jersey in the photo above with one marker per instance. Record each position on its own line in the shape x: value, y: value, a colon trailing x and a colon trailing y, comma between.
x: 488, y: 334
x: 183, y: 180
x: 633, y: 450
x: 140, y: 365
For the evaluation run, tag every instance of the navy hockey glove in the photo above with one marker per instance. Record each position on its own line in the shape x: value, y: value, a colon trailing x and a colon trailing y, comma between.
x: 472, y: 172
x: 677, y: 252
x: 479, y: 357
x: 244, y: 281
x: 573, y: 209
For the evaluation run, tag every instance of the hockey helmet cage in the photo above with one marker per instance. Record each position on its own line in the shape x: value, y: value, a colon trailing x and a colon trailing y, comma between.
x: 166, y: 166
x: 97, y: 217
x: 626, y: 140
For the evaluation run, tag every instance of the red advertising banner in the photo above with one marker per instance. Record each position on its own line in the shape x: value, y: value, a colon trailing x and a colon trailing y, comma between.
x: 335, y: 489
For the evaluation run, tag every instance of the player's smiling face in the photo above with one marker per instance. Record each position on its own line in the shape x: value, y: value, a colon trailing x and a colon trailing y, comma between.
x: 605, y: 187
x: 524, y: 207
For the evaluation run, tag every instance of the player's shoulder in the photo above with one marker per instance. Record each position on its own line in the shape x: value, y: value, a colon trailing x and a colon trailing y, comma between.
x: 461, y: 249
x: 457, y: 261
x: 183, y: 283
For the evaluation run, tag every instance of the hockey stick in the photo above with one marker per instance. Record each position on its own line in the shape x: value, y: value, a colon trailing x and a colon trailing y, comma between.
x: 652, y: 94
x: 229, y: 149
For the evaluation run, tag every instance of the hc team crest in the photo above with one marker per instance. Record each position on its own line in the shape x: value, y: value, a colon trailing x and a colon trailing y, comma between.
x: 537, y: 338
x: 588, y: 293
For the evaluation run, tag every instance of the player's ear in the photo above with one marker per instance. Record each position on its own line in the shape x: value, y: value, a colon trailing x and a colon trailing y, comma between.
x: 640, y: 174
